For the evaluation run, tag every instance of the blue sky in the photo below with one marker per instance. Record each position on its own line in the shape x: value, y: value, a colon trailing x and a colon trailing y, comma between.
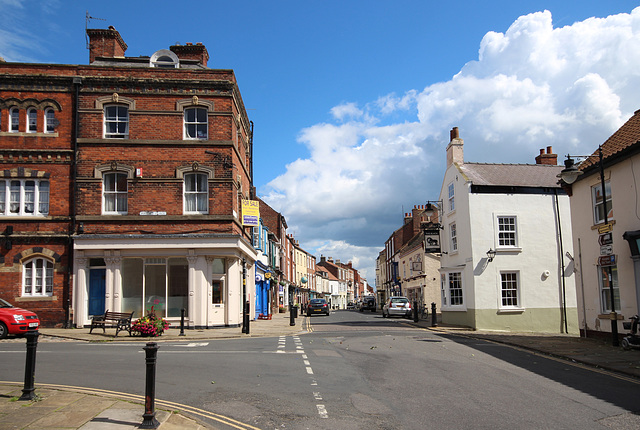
x: 353, y: 101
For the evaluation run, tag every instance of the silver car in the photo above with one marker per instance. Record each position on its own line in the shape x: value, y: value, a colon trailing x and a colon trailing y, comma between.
x: 399, y: 306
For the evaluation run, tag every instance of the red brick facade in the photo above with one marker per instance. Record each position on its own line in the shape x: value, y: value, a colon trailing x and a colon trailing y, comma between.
x: 154, y: 156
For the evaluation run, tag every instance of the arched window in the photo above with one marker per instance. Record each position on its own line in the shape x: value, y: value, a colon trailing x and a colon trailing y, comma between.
x: 32, y: 120
x: 196, y: 193
x: 14, y: 120
x: 37, y: 277
x: 49, y: 120
x: 116, y: 122
x: 165, y: 59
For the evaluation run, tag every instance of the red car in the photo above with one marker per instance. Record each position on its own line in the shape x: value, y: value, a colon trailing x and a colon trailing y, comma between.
x: 16, y: 320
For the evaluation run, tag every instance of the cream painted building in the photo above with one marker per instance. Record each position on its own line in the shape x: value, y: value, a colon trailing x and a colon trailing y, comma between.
x: 419, y: 272
x: 520, y: 213
x: 621, y: 157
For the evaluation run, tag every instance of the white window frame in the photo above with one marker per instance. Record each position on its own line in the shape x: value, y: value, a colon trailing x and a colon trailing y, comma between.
x: 452, y: 197
x: 509, y: 279
x: 23, y: 196
x: 605, y: 300
x: 507, y: 232
x: 198, y: 194
x: 597, y: 206
x: 114, y: 194
x: 34, y: 278
x: 117, y: 119
x: 14, y: 120
x: 49, y: 117
x: 453, y: 237
x: 452, y: 290
x: 196, y: 123
x: 32, y: 120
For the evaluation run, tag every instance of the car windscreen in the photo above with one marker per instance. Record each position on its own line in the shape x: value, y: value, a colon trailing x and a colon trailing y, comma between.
x: 318, y: 301
x: 403, y: 300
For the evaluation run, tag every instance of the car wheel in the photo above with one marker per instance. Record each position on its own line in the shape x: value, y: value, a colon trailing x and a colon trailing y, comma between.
x: 3, y: 330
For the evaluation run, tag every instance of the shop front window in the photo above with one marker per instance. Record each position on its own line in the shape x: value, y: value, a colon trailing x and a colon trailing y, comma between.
x: 157, y: 284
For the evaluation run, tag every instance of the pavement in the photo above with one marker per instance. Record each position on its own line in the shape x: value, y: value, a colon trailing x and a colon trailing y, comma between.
x: 57, y: 407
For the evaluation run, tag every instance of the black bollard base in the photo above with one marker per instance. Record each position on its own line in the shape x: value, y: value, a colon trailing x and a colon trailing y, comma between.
x: 149, y: 422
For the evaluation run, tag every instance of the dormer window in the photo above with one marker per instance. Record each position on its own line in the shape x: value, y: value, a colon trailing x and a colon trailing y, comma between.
x: 164, y: 59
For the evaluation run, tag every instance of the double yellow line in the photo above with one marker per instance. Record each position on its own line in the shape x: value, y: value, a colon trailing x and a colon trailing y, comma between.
x: 141, y: 399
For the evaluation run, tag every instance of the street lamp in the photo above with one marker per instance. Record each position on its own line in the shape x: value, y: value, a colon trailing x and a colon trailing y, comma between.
x: 432, y: 207
x: 569, y: 175
x: 491, y: 254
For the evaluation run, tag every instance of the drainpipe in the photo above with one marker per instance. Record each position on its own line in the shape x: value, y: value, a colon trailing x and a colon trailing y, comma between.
x: 77, y: 81
x: 564, y: 293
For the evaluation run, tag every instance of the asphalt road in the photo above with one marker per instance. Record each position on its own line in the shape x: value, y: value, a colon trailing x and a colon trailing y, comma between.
x: 353, y: 371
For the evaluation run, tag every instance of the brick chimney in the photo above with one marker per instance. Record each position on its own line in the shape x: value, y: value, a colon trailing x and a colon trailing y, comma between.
x: 191, y: 52
x: 549, y: 158
x: 105, y: 43
x: 454, y: 149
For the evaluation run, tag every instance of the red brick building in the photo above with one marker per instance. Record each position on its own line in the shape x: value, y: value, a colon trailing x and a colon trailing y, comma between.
x: 147, y: 171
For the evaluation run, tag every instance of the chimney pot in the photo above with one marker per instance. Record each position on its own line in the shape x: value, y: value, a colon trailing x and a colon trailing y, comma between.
x: 549, y: 150
x: 454, y: 133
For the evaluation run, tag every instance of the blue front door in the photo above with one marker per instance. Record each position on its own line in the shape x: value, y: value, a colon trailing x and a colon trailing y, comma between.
x: 262, y: 298
x: 96, y: 291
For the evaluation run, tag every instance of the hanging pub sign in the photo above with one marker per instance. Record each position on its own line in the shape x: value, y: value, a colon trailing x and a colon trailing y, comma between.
x: 432, y: 240
x: 250, y: 213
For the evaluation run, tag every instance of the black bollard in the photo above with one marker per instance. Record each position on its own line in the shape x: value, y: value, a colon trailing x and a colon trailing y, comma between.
x: 292, y: 318
x: 246, y: 316
x: 434, y: 319
x: 182, y: 311
x: 415, y: 311
x: 28, y: 392
x: 149, y: 416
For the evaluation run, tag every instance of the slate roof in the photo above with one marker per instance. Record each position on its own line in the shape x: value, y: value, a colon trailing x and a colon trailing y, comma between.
x: 624, y: 138
x: 515, y: 175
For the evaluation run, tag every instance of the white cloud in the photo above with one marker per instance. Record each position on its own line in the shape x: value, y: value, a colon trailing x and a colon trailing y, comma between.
x: 531, y: 87
x: 346, y: 110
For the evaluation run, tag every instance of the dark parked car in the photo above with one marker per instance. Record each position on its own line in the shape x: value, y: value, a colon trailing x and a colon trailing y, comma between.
x: 368, y: 303
x: 16, y: 320
x: 318, y: 306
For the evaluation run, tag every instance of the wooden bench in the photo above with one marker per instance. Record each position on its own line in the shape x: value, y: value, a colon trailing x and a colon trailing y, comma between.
x: 120, y: 320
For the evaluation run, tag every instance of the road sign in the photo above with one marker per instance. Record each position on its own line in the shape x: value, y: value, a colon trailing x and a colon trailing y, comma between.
x: 605, y: 228
x: 605, y: 239
x: 607, y: 260
x: 606, y: 250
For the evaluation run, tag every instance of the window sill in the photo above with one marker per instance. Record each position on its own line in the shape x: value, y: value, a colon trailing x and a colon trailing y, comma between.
x: 453, y: 309
x: 36, y: 299
x: 22, y: 134
x: 507, y: 249
x: 511, y: 310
